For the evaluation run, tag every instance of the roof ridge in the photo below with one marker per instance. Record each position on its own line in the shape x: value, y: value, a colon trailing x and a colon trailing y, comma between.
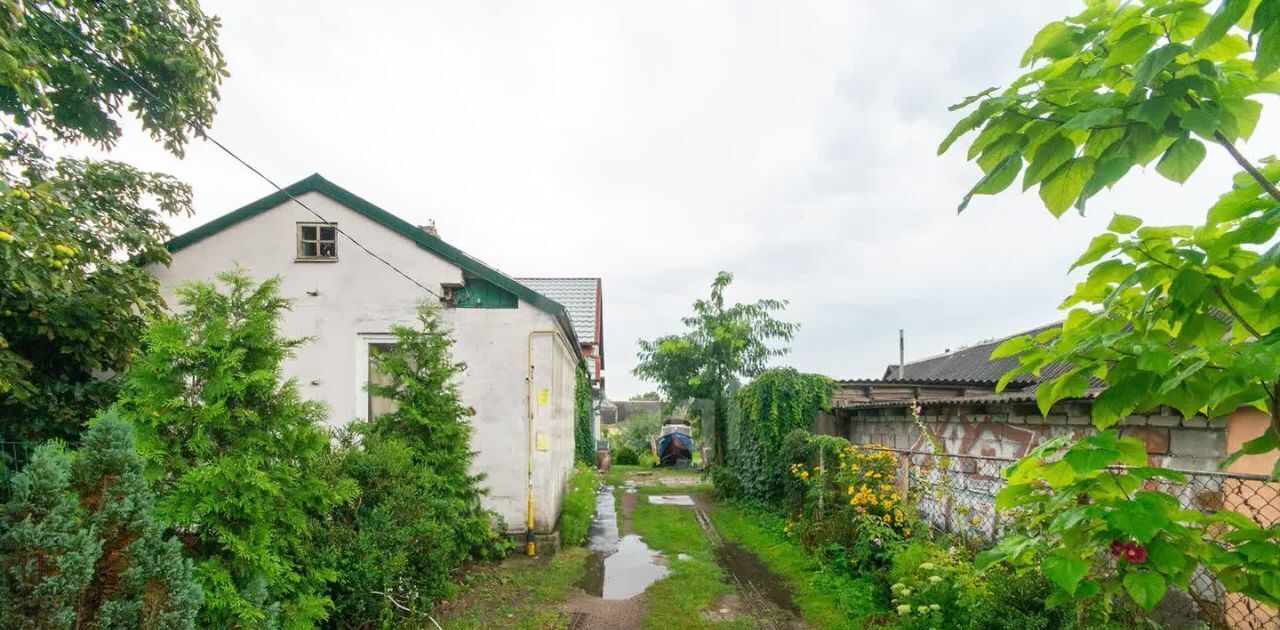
x: 980, y: 343
x: 317, y: 183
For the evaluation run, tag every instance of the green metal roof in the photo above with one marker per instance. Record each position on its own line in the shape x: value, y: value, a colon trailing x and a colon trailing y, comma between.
x: 317, y: 184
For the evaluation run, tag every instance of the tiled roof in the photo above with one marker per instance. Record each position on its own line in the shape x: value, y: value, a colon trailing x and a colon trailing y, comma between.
x: 973, y: 364
x: 578, y: 295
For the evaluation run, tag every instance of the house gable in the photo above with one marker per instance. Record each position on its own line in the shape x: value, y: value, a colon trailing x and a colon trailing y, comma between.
x: 470, y: 266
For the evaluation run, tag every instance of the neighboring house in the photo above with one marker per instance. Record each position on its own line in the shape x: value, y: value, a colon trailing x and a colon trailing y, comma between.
x: 584, y: 299
x: 519, y: 346
x: 956, y: 391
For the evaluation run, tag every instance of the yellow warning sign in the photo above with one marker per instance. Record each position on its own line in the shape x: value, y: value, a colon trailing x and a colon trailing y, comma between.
x: 544, y: 397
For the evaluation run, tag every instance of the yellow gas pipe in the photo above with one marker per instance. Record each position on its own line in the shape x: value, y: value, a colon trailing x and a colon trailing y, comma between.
x: 528, y: 397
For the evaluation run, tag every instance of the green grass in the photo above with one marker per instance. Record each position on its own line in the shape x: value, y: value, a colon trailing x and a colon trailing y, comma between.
x: 826, y: 600
x: 579, y: 505
x: 693, y: 585
x: 618, y: 473
x: 520, y: 593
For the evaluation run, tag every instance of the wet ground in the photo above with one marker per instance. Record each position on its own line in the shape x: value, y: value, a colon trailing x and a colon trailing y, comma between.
x: 621, y: 566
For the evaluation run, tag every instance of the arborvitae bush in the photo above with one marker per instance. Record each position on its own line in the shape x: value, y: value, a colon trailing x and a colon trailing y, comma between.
x: 82, y: 548
x: 235, y: 453
x: 418, y: 516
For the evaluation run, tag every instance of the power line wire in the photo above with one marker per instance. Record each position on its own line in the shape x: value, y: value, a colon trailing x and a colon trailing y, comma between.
x: 202, y: 132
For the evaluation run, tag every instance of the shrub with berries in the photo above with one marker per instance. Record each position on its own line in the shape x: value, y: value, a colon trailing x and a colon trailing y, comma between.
x: 1091, y: 517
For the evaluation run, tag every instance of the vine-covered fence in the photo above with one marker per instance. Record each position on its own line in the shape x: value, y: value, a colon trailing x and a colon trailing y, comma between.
x: 956, y: 494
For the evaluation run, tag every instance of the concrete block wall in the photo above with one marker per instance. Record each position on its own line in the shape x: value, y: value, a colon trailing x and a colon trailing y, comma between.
x: 1172, y: 441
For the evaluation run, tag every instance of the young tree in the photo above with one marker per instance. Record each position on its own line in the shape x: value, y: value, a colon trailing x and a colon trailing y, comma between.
x: 81, y: 547
x: 722, y: 344
x: 1184, y: 316
x: 235, y: 452
x: 418, y: 516
x: 73, y: 301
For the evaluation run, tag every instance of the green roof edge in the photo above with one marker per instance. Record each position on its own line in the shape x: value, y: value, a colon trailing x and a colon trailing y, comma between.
x: 316, y: 183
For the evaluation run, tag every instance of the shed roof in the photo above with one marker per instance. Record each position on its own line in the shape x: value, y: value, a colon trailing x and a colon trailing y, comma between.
x: 580, y: 296
x: 974, y: 364
x: 429, y: 242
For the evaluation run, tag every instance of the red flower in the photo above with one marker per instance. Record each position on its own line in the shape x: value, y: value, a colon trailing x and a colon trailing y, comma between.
x: 1130, y: 550
x: 1135, y: 553
x: 1117, y: 548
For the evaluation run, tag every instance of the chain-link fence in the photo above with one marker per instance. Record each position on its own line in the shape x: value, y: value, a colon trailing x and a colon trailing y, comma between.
x: 956, y: 494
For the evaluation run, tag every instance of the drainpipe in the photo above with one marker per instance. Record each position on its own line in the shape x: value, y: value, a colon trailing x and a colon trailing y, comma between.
x: 529, y: 548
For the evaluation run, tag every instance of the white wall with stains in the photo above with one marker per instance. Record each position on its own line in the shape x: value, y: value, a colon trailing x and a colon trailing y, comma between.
x: 343, y: 305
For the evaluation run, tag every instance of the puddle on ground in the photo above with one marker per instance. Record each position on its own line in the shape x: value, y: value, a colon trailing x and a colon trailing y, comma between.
x: 748, y: 568
x: 671, y: 499
x: 620, y: 568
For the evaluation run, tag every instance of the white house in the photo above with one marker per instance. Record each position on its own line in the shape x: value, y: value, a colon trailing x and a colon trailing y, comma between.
x: 519, y: 346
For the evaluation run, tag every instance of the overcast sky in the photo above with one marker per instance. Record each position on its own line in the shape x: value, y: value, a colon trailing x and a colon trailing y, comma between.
x: 653, y: 143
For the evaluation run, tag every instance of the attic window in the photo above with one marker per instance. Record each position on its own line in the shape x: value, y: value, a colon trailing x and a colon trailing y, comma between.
x: 317, y: 241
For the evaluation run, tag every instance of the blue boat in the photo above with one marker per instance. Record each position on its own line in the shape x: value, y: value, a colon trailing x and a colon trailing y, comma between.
x: 675, y: 443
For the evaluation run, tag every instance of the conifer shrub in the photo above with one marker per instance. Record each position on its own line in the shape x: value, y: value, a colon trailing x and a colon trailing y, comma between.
x: 234, y: 452
x: 81, y: 546
x: 418, y: 515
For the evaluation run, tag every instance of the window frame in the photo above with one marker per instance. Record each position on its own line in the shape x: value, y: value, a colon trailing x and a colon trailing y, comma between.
x: 299, y: 241
x: 363, y: 343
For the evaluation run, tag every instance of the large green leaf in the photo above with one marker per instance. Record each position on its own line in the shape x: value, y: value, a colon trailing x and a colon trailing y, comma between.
x: 1093, y: 118
x: 1154, y: 62
x: 1065, y: 572
x: 1181, y: 159
x: 1123, y: 224
x: 1100, y: 246
x: 1153, y: 111
x: 1227, y: 15
x: 1146, y: 588
x: 1061, y: 188
x: 995, y: 181
x: 1267, y: 54
x: 1051, y: 154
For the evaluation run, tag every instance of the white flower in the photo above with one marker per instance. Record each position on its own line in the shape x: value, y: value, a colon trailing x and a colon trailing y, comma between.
x: 935, y: 607
x: 935, y: 579
x: 923, y: 609
x: 904, y: 609
x: 928, y: 566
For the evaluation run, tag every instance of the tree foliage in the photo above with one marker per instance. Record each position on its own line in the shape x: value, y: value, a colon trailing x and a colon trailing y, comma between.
x: 71, y: 67
x: 722, y: 343
x: 775, y: 403
x: 418, y: 514
x: 1093, y: 520
x: 1184, y: 316
x: 72, y: 299
x: 234, y: 452
x: 82, y: 548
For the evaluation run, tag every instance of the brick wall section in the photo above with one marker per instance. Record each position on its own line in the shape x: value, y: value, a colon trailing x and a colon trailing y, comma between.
x: 1195, y: 443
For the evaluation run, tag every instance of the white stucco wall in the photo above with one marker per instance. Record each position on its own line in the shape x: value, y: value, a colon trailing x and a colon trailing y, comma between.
x: 357, y: 298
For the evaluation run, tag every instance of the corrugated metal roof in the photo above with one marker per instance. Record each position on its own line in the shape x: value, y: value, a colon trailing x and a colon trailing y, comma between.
x: 974, y: 364
x: 579, y: 296
x: 1022, y: 396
